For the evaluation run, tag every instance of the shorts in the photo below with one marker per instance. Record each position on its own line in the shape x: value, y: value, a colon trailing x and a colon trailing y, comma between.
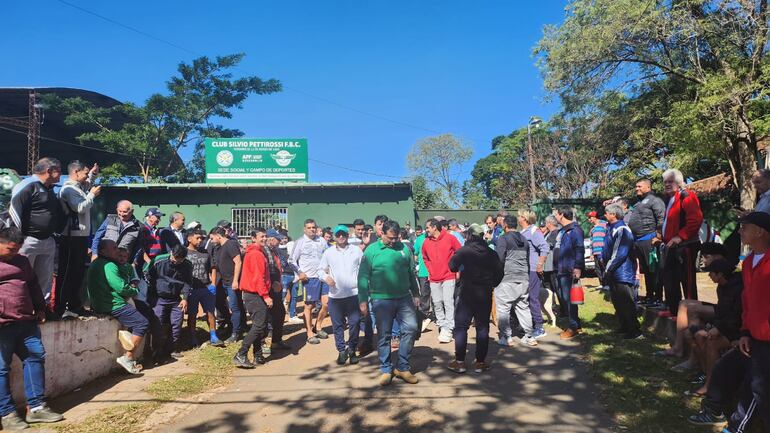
x: 131, y: 319
x: 315, y: 289
x: 200, y: 296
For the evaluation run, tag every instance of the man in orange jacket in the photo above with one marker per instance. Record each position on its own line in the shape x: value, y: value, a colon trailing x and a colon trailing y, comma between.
x: 681, y: 223
x: 255, y: 285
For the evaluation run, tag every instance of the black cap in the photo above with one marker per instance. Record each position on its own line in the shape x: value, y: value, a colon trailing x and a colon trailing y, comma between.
x: 224, y: 223
x: 713, y: 248
x: 759, y: 219
x: 720, y: 266
x: 154, y: 212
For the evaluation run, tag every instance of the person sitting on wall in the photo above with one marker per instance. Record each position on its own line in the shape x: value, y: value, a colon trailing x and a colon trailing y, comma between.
x: 23, y: 308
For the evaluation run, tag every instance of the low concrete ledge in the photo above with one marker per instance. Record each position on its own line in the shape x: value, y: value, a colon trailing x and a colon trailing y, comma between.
x: 77, y: 352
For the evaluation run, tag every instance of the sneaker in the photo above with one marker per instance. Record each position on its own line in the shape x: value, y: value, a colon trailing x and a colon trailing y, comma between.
x: 69, y: 315
x: 322, y: 334
x: 480, y: 366
x: 699, y: 379
x: 425, y: 324
x: 313, y: 340
x: 232, y: 339
x: 705, y: 417
x: 41, y: 414
x: 457, y: 366
x: 406, y: 376
x: 242, y: 361
x: 538, y: 333
x: 568, y: 334
x: 444, y: 336
x: 386, y: 379
x: 129, y: 364
x: 353, y: 357
x: 528, y: 341
x: 177, y: 354
x: 342, y: 357
x: 13, y: 421
x: 259, y: 359
x: 280, y: 346
x: 295, y: 321
x: 125, y: 339
x: 216, y: 342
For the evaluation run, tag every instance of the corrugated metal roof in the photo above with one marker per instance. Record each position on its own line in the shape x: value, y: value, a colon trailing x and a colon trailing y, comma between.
x: 259, y: 186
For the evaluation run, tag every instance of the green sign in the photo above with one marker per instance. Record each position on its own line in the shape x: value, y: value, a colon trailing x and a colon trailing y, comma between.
x: 256, y: 160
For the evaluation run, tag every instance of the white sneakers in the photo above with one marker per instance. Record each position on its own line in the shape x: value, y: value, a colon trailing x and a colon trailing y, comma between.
x: 444, y: 336
x: 295, y: 321
x: 425, y: 324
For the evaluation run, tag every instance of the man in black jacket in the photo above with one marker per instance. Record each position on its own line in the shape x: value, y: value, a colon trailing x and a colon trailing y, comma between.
x: 170, y: 283
x: 645, y: 222
x: 482, y: 270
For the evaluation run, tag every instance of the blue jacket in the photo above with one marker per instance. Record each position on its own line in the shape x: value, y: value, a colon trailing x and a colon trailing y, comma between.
x: 569, y: 250
x: 617, y: 254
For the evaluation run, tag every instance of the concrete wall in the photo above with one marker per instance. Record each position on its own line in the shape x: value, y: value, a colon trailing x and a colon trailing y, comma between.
x: 77, y: 352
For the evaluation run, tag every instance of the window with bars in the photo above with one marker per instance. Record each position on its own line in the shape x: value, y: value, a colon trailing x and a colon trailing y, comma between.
x: 246, y: 219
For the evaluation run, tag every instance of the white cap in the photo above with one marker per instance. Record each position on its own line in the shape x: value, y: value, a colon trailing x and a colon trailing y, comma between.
x: 193, y: 225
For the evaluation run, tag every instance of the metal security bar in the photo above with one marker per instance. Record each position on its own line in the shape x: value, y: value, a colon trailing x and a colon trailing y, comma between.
x: 246, y: 219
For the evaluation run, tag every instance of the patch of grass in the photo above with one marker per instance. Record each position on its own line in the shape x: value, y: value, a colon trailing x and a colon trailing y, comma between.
x: 212, y: 369
x: 638, y: 389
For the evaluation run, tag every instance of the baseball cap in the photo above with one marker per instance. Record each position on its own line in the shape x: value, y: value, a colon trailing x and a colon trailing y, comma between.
x: 153, y: 211
x: 759, y: 219
x: 273, y: 233
x: 721, y: 266
x: 341, y: 228
x: 194, y: 225
x: 592, y: 214
x: 475, y: 229
x: 224, y: 223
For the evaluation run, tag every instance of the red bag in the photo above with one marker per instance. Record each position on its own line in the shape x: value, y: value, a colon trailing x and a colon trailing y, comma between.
x: 576, y: 294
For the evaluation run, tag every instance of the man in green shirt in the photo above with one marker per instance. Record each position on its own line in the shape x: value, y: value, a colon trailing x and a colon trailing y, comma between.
x: 386, y: 275
x: 111, y: 294
x: 422, y: 280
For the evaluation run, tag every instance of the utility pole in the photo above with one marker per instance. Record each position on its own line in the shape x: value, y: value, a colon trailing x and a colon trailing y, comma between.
x: 533, y: 122
x: 32, y: 125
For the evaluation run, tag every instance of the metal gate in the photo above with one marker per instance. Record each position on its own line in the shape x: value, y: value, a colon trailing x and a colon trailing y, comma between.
x: 247, y: 219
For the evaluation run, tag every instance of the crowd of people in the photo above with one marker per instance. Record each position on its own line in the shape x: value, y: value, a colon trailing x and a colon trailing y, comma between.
x: 380, y: 278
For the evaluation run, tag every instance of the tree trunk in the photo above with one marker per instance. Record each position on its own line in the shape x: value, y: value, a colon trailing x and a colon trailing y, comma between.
x: 743, y: 162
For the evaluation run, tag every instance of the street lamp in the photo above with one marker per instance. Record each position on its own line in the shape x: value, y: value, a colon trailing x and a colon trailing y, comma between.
x: 534, y: 122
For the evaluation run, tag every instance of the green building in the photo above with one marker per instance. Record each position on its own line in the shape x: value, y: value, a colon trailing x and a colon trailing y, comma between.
x: 266, y: 205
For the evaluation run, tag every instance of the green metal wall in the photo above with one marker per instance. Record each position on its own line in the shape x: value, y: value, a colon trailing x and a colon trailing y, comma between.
x: 327, y: 205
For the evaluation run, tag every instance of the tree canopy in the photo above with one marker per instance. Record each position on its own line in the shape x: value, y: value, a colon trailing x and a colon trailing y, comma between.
x: 438, y: 160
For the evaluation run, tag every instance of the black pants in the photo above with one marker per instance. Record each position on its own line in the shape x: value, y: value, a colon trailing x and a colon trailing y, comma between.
x: 679, y: 275
x: 276, y: 314
x: 257, y: 309
x: 73, y: 254
x: 652, y: 280
x: 622, y: 295
x: 478, y: 310
x: 600, y: 271
x: 221, y: 307
x: 152, y: 346
x: 424, y: 286
x: 755, y: 391
x: 726, y: 378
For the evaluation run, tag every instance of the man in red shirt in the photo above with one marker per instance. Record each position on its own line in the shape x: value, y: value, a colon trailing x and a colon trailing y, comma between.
x: 681, y: 223
x: 438, y: 248
x: 255, y: 287
x: 755, y: 328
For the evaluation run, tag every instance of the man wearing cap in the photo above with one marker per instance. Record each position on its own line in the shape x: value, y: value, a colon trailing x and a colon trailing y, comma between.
x: 150, y: 235
x: 754, y: 343
x: 275, y: 270
x: 306, y: 256
x: 597, y: 234
x: 339, y: 269
x: 621, y: 271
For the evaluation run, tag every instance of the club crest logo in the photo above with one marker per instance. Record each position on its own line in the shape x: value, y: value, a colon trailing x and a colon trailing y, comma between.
x: 283, y: 157
x: 225, y: 158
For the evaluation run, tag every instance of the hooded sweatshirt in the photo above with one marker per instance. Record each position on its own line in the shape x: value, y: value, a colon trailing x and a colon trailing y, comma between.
x: 255, y: 276
x: 436, y: 253
x: 513, y: 250
x: 482, y: 270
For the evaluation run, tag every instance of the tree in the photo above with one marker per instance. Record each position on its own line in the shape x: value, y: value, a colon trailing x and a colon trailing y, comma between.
x: 423, y: 196
x: 708, y: 56
x: 438, y: 160
x: 151, y: 135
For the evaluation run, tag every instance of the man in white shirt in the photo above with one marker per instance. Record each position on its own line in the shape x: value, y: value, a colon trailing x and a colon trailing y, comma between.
x: 306, y: 256
x: 339, y: 270
x: 761, y: 181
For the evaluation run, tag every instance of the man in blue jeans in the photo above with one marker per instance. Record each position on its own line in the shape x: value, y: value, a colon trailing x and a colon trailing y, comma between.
x: 386, y: 275
x: 228, y: 265
x: 23, y: 308
x: 569, y: 263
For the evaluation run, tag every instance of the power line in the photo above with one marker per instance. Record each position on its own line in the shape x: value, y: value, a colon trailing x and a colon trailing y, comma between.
x: 292, y: 89
x: 354, y: 170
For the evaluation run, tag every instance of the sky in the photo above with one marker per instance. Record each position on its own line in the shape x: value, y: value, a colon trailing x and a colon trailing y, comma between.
x: 363, y: 80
